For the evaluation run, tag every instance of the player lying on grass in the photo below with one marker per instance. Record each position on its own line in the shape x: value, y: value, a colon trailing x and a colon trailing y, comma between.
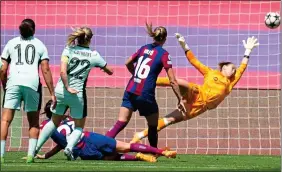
x: 76, y: 62
x: 93, y: 146
x: 200, y: 98
x: 145, y: 66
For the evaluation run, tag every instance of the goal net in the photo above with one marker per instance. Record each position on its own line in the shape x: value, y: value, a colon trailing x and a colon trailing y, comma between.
x: 247, y: 122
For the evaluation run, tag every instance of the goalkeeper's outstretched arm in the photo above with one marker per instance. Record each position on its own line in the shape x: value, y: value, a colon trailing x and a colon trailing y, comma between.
x: 251, y: 43
x: 190, y: 56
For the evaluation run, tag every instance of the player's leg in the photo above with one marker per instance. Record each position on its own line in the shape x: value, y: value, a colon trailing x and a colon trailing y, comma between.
x: 11, y: 102
x: 173, y: 117
x: 78, y: 111
x: 48, y: 130
x: 50, y: 127
x: 123, y: 147
x: 164, y: 81
x: 152, y: 121
x: 74, y: 137
x: 124, y: 116
x: 32, y: 104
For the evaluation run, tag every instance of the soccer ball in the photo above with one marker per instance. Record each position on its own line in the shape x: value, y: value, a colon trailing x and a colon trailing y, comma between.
x: 272, y: 20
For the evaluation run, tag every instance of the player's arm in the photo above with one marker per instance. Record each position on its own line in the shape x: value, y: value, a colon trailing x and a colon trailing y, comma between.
x: 191, y: 57
x: 130, y: 62
x: 46, y: 72
x: 167, y: 64
x: 63, y: 72
x: 173, y: 83
x: 47, y: 75
x: 108, y: 70
x: 5, y: 59
x: 3, y: 73
x: 50, y: 153
x: 101, y: 63
x: 251, y: 43
x: 130, y: 65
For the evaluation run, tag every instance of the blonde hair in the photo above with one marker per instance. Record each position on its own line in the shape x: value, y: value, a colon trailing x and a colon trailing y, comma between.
x: 159, y: 34
x: 80, y: 36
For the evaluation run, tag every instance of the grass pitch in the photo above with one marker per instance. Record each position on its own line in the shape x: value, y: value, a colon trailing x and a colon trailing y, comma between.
x: 13, y: 162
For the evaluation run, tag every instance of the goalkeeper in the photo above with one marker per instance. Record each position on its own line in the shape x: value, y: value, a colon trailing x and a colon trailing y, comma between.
x: 200, y: 98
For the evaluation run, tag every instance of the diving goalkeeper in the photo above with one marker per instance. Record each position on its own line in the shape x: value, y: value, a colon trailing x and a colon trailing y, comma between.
x: 200, y: 98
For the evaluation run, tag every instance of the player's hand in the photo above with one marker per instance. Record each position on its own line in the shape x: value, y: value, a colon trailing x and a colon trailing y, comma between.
x: 54, y: 101
x: 72, y: 90
x: 251, y: 43
x: 38, y: 156
x: 182, y: 41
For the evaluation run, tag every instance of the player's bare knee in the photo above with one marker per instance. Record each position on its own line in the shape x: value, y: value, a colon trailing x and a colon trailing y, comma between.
x: 5, y: 122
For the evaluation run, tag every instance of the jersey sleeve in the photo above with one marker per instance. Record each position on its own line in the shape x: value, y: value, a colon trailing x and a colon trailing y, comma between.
x: 98, y: 61
x: 196, y: 63
x: 239, y: 72
x: 6, y: 53
x: 135, y: 56
x: 166, y: 60
x: 66, y: 52
x: 44, y: 54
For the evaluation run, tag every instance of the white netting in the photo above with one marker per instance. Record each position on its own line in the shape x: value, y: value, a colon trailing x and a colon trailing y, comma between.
x: 247, y: 122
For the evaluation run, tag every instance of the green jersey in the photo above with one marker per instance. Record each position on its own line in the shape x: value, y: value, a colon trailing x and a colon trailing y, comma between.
x: 24, y: 56
x: 80, y: 61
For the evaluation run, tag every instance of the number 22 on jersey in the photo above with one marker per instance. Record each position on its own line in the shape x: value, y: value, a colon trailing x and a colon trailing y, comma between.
x: 142, y: 69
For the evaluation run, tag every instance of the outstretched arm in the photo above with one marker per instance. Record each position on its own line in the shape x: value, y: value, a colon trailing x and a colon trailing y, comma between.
x: 190, y: 56
x: 51, y: 153
x: 251, y: 43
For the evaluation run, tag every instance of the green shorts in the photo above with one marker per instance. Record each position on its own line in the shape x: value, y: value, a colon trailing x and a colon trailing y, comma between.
x: 77, y: 103
x: 14, y: 95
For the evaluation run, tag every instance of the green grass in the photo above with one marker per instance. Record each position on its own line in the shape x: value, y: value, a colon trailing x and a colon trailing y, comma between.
x: 13, y: 162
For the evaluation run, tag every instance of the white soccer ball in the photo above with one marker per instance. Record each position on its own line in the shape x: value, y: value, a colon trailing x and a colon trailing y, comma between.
x: 272, y: 20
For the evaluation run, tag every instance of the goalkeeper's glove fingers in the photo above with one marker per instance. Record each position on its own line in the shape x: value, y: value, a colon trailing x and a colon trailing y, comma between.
x: 178, y: 35
x: 182, y: 42
x: 251, y: 43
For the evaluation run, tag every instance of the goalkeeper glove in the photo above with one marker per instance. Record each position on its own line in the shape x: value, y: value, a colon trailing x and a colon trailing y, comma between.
x: 251, y: 43
x: 182, y: 42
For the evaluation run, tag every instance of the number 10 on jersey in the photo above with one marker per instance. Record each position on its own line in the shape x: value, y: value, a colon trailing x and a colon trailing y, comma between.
x: 142, y: 69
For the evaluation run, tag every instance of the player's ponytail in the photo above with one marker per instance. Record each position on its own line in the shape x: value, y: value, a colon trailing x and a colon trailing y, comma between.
x: 159, y: 34
x: 27, y: 28
x: 80, y: 36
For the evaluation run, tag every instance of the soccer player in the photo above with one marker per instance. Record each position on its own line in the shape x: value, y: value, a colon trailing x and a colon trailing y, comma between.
x: 200, y: 98
x: 140, y: 91
x: 93, y: 146
x: 23, y: 55
x: 76, y: 62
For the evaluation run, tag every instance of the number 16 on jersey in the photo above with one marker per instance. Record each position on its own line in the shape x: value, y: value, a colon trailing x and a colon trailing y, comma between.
x: 142, y: 69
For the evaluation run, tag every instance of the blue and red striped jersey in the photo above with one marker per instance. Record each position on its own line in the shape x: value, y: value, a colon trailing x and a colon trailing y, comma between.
x: 149, y: 61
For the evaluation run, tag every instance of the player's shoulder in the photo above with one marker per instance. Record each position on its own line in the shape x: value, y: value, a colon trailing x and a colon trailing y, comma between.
x: 14, y: 40
x: 95, y: 53
x: 161, y: 49
x: 37, y: 41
